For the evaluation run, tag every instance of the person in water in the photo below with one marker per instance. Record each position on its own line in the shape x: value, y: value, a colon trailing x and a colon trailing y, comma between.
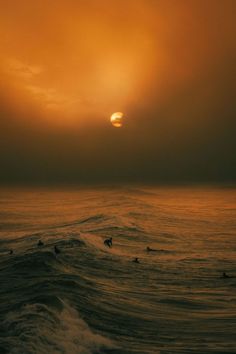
x: 148, y: 249
x: 108, y: 242
x: 136, y: 260
x: 40, y: 243
x: 56, y: 250
x: 11, y: 252
x: 224, y: 275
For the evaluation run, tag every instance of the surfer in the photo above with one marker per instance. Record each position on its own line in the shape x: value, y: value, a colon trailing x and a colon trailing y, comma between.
x: 136, y: 260
x: 148, y: 249
x: 224, y: 275
x: 108, y: 242
x: 40, y: 243
x: 56, y: 250
x: 11, y: 252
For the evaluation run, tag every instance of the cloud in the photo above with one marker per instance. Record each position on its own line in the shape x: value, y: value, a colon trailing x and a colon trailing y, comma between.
x: 21, y: 70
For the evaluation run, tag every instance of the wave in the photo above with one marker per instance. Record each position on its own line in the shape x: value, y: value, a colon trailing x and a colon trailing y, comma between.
x: 95, y: 299
x: 108, y: 229
x: 39, y: 329
x: 90, y: 219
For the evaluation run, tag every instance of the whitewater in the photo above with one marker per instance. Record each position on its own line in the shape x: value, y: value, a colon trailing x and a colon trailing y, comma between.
x: 90, y: 298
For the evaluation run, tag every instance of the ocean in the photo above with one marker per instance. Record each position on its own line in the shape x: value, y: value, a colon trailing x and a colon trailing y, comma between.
x: 91, y: 298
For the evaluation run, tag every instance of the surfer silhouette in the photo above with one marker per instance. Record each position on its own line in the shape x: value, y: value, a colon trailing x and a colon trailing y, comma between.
x: 108, y: 242
x: 148, y: 249
x: 11, y: 252
x: 135, y: 260
x: 224, y: 275
x: 40, y: 243
x: 56, y: 250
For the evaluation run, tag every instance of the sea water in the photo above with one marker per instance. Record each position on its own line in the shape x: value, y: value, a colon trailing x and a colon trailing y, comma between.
x: 90, y: 298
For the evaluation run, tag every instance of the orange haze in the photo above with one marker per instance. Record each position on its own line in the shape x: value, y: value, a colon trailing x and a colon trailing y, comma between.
x: 69, y: 61
x: 67, y: 65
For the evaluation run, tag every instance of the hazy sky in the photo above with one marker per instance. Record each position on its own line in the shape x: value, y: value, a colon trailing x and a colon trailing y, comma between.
x: 67, y: 65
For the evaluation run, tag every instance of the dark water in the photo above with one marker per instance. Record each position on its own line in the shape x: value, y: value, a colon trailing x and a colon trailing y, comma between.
x: 92, y: 299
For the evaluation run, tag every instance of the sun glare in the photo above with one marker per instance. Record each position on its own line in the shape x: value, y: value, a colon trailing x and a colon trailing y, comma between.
x: 117, y: 119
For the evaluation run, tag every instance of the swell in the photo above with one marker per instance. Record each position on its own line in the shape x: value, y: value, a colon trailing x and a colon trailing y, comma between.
x: 40, y: 328
x: 94, y: 218
x: 42, y: 294
x: 18, y: 226
x: 91, y: 299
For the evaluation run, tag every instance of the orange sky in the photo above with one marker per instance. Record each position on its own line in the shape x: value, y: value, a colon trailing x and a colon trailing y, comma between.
x: 68, y: 60
x: 69, y: 64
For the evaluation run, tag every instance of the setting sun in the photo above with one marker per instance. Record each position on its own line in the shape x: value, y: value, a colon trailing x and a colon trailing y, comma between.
x: 117, y: 119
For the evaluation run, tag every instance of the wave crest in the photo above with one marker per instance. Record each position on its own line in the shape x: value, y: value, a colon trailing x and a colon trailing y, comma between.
x: 56, y: 332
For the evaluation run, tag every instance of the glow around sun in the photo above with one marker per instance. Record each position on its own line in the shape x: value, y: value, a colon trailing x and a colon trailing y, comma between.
x: 117, y: 119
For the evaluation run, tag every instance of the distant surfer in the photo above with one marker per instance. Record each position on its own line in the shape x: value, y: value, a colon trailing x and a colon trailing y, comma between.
x: 148, y: 249
x: 108, y: 242
x: 11, y: 252
x: 40, y: 243
x: 136, y: 260
x: 226, y: 276
x: 56, y: 250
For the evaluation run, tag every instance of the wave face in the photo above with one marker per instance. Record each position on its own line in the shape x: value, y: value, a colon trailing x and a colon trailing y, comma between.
x: 90, y: 298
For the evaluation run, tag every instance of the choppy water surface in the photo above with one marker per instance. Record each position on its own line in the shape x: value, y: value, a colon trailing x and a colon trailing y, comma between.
x: 92, y: 299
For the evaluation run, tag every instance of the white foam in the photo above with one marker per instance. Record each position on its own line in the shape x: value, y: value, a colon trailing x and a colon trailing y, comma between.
x: 69, y: 335
x: 75, y: 335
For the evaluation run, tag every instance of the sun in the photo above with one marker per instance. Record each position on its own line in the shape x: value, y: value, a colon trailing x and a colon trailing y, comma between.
x: 117, y: 119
